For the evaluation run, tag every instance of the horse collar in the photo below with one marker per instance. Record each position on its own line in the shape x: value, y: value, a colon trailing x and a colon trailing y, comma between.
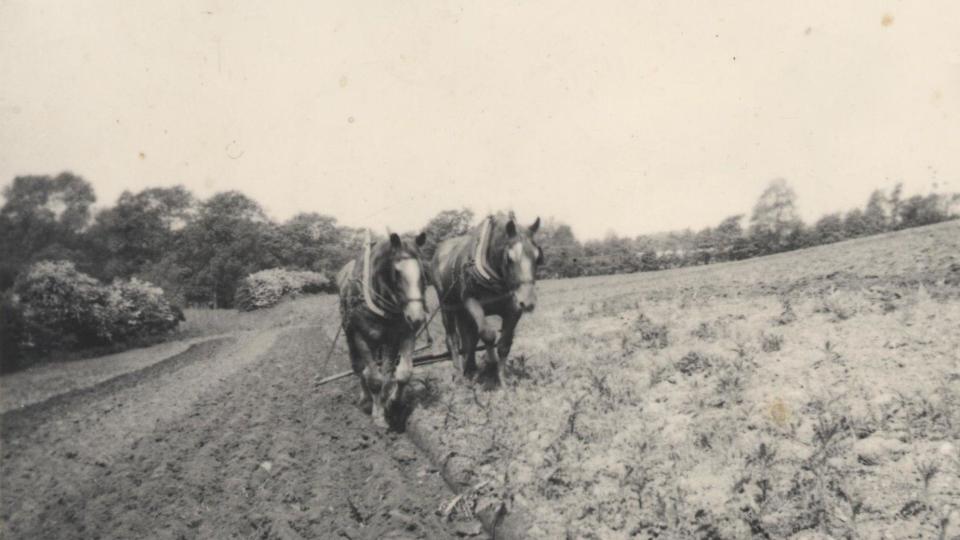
x: 480, y: 257
x: 367, y: 277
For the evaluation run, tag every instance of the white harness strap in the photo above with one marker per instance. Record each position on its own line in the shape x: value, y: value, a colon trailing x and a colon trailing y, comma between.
x: 480, y: 257
x: 366, y: 271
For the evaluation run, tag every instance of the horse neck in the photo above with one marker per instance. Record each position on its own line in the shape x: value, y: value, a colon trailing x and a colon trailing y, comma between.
x: 379, y: 259
x: 496, y: 245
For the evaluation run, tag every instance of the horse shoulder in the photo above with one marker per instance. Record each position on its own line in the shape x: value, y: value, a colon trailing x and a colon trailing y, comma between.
x: 444, y: 258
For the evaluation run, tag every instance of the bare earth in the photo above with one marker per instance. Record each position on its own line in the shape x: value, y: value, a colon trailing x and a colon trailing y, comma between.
x: 229, y: 438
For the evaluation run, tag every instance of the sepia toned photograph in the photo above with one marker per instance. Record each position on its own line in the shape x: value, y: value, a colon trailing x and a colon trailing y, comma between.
x: 479, y: 270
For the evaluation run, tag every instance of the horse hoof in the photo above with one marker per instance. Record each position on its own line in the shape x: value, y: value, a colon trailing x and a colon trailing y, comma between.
x: 465, y: 379
x: 365, y: 405
x: 489, y: 381
x: 380, y: 421
x: 396, y: 415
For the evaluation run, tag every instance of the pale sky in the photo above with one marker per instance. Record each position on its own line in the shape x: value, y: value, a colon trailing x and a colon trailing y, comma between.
x: 634, y: 117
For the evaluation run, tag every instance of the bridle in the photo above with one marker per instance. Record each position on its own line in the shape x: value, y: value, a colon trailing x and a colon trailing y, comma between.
x: 389, y: 303
x: 512, y: 285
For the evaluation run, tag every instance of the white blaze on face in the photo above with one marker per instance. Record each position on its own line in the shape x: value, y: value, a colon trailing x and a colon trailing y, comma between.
x: 410, y: 270
x: 524, y: 264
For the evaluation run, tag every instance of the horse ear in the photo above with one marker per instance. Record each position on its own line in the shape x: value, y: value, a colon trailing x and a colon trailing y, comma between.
x: 535, y: 227
x: 511, y: 229
x: 421, y: 239
x: 395, y: 240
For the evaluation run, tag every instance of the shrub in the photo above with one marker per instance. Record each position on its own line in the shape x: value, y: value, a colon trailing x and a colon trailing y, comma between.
x: 62, y: 309
x: 53, y: 307
x: 266, y: 288
x: 11, y: 328
x: 137, y: 309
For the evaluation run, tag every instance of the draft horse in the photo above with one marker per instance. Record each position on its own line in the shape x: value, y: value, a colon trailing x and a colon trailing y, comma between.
x: 382, y: 307
x: 489, y: 271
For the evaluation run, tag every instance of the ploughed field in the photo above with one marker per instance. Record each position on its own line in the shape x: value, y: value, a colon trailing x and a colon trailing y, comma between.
x: 805, y: 394
x: 221, y: 434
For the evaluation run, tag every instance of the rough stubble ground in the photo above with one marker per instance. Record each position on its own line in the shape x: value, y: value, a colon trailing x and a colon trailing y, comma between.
x: 229, y: 439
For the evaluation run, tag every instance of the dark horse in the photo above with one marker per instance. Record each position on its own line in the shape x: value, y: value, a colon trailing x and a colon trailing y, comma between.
x: 381, y: 308
x: 489, y: 271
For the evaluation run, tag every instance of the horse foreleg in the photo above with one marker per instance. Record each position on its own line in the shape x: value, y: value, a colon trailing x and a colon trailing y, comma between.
x: 489, y: 370
x: 507, y: 330
x: 362, y: 361
x: 451, y: 332
x: 467, y: 330
x: 392, y: 391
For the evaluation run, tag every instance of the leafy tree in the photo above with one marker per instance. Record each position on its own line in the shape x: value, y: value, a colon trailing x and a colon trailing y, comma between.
x: 828, y: 229
x: 726, y: 235
x: 876, y: 215
x: 775, y: 224
x: 312, y: 241
x: 704, y: 246
x: 446, y: 224
x: 139, y: 229
x: 896, y: 202
x: 855, y: 224
x: 230, y: 238
x: 562, y: 252
x: 42, y: 215
x: 924, y: 210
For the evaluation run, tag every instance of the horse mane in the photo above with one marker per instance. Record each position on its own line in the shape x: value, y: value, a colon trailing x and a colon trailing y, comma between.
x: 498, y: 234
x: 380, y: 259
x: 381, y: 253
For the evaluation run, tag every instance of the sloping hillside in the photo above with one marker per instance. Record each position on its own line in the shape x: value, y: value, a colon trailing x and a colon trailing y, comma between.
x: 809, y: 392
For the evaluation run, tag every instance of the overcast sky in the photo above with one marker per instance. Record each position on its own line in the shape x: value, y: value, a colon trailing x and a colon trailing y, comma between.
x: 634, y: 117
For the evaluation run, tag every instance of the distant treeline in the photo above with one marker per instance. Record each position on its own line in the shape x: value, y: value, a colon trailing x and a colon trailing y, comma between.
x: 198, y: 251
x: 773, y: 227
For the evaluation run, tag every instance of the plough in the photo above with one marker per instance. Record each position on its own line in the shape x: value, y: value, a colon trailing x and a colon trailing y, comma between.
x: 423, y: 360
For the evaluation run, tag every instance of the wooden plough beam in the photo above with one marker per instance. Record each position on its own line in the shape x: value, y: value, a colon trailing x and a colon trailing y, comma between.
x: 418, y: 361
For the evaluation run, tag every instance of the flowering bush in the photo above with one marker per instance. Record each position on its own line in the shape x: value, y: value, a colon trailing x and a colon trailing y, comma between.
x: 138, y: 309
x: 61, y: 308
x: 54, y: 307
x: 266, y: 288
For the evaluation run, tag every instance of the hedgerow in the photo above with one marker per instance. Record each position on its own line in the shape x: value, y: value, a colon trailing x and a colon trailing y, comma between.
x: 54, y: 307
x: 265, y: 288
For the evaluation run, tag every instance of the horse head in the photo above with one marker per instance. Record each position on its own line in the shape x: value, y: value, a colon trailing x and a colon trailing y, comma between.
x: 401, y: 271
x: 518, y: 258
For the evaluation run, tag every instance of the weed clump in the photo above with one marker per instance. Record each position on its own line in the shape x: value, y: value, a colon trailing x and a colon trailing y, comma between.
x: 840, y: 306
x: 705, y: 331
x: 771, y: 342
x: 694, y: 362
x: 787, y: 315
x: 646, y: 334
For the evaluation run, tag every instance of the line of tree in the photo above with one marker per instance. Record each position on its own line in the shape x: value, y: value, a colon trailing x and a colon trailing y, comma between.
x: 773, y: 227
x: 198, y: 251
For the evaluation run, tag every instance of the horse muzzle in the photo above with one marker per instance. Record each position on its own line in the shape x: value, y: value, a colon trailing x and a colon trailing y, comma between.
x: 525, y: 299
x: 414, y: 314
